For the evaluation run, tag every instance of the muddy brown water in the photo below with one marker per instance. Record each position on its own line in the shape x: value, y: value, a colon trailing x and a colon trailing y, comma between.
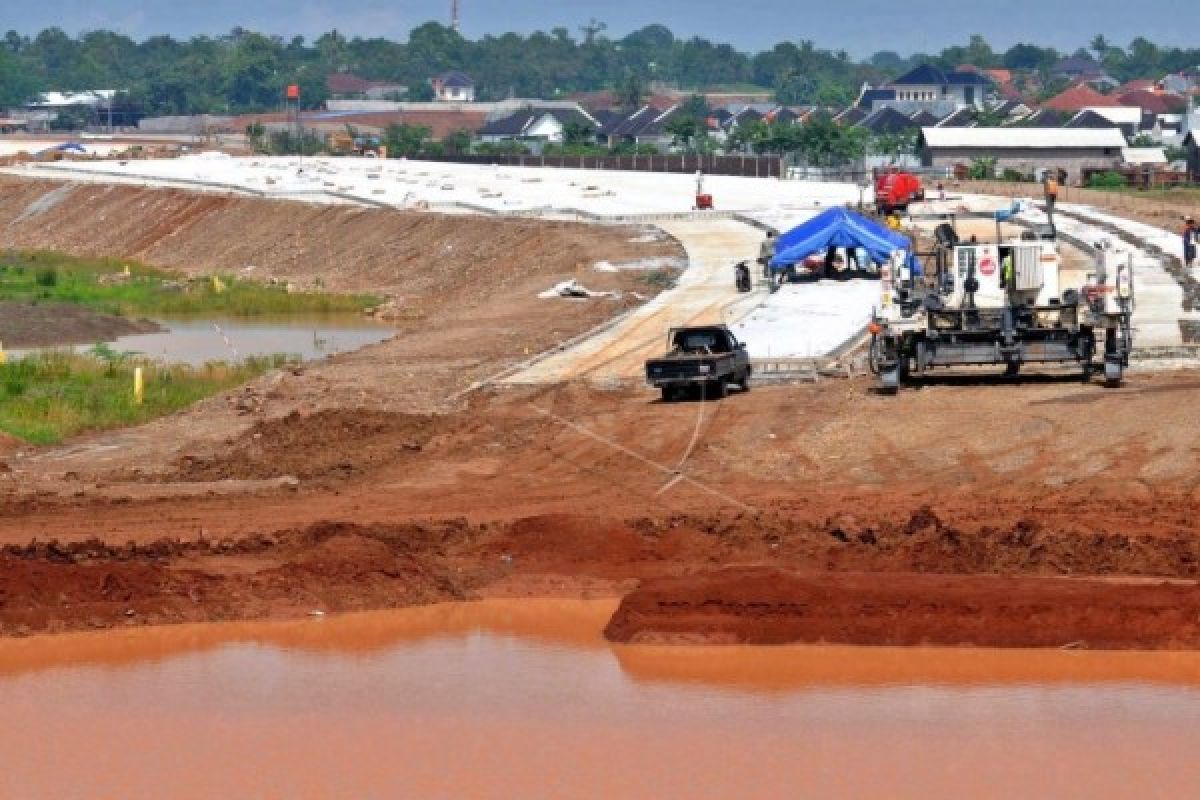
x: 504, y: 699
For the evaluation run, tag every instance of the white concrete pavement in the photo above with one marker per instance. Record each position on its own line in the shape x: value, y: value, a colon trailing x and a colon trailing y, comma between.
x: 705, y: 293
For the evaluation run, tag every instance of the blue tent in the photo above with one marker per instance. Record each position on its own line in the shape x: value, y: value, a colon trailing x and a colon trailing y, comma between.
x: 840, y: 227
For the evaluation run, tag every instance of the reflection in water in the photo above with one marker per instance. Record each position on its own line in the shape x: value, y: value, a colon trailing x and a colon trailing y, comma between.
x: 523, y: 699
x: 192, y: 340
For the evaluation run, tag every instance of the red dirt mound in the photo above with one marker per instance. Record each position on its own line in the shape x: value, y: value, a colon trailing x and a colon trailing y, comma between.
x: 759, y: 605
x: 330, y: 443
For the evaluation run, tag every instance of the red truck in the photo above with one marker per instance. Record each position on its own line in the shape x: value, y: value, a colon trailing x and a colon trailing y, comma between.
x: 895, y: 190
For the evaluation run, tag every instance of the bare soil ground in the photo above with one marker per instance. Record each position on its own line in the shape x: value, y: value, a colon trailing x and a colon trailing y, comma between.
x: 54, y: 324
x: 369, y: 481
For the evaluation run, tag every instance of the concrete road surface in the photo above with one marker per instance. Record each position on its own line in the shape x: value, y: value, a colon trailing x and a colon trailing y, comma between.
x: 705, y: 293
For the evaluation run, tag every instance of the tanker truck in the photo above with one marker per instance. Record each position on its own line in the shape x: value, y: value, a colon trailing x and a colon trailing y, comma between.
x: 1003, y: 304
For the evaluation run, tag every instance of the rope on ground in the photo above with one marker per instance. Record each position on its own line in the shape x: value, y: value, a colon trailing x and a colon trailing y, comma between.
x: 674, y: 473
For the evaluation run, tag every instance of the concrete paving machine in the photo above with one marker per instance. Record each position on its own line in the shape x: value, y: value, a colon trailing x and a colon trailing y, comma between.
x: 1007, y: 303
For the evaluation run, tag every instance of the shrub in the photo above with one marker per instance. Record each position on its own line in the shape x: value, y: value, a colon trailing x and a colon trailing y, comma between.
x: 47, y: 277
x: 1106, y: 180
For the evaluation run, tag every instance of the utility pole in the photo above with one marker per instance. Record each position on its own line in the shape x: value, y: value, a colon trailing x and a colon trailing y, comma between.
x: 454, y: 26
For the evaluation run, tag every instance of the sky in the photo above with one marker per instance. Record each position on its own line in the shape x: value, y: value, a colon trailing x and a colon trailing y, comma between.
x: 860, y: 27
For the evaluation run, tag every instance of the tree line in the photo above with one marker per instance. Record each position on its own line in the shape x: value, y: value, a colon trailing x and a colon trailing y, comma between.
x: 245, y: 71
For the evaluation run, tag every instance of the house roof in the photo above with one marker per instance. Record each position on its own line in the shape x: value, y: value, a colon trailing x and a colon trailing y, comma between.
x: 1120, y: 115
x: 1079, y: 97
x: 455, y: 80
x: 1158, y: 102
x: 1046, y: 118
x: 1028, y: 138
x: 1010, y: 107
x: 1144, y: 155
x: 871, y: 96
x: 1078, y: 65
x: 1135, y: 85
x: 924, y: 119
x: 929, y: 75
x: 963, y: 118
x: 514, y: 124
x: 851, y: 116
x: 887, y: 120
x: 646, y: 121
x: 1090, y: 119
x: 517, y: 122
x: 346, y: 83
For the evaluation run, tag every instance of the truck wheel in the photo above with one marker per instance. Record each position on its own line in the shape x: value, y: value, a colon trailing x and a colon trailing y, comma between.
x: 720, y: 389
x: 744, y: 384
x: 668, y: 394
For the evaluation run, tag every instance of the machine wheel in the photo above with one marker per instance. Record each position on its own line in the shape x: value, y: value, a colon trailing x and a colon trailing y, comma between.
x: 1113, y: 373
x: 668, y: 394
x: 889, y: 382
x: 1012, y: 369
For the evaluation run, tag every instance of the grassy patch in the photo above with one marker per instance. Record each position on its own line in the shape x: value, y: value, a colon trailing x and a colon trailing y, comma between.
x: 127, y: 289
x: 52, y: 396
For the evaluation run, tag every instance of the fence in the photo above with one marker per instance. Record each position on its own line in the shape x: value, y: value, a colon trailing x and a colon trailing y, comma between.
x: 739, y: 166
x: 863, y: 176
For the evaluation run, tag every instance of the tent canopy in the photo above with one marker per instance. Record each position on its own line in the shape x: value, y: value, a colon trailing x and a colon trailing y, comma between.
x: 839, y: 227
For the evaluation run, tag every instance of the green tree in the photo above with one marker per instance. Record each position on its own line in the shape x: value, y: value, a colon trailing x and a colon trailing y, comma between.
x: 632, y: 92
x: 407, y: 140
x: 458, y: 142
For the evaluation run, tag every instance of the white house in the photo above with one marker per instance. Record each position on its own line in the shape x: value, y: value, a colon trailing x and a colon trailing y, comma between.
x: 453, y: 87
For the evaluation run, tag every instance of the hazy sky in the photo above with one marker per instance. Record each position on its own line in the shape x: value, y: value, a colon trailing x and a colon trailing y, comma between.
x: 858, y: 26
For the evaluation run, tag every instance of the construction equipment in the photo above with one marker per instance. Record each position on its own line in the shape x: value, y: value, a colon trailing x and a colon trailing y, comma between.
x: 895, y: 191
x: 1007, y: 303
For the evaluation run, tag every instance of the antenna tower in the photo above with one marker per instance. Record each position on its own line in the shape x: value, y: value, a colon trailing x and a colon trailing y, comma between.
x: 454, y: 15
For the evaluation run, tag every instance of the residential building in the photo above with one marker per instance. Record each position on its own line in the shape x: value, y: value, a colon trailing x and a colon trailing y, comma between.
x: 1083, y: 69
x: 348, y: 86
x: 1023, y: 149
x: 888, y: 120
x: 1079, y: 97
x: 928, y: 88
x: 453, y: 87
x: 535, y: 126
x: 1095, y: 119
x: 645, y: 127
x: 1192, y: 145
x: 1157, y: 102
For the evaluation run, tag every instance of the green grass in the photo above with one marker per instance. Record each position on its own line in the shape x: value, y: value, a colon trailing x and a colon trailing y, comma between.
x: 101, y: 284
x: 50, y: 397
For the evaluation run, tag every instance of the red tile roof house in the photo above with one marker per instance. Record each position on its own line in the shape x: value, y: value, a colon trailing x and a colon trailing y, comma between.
x: 348, y: 86
x: 1154, y: 102
x: 1079, y: 97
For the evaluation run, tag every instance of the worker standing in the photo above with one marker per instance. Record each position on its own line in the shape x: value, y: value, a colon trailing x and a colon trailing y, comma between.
x: 766, y: 252
x: 1050, y: 187
x: 1189, y: 242
x: 1006, y: 271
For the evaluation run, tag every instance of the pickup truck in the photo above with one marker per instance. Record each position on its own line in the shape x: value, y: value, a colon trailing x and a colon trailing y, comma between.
x: 707, y: 357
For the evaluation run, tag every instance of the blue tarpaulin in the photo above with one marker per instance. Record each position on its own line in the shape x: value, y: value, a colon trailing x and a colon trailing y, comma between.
x: 840, y: 227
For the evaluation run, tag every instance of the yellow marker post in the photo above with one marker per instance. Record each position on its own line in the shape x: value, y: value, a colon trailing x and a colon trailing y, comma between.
x: 218, y: 284
x: 139, y: 386
x: 3, y: 357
